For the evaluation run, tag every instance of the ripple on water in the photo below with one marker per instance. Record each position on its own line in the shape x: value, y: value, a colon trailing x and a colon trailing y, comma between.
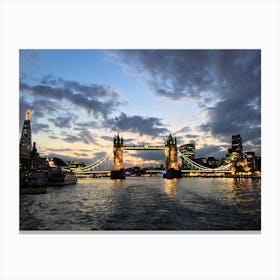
x: 145, y: 204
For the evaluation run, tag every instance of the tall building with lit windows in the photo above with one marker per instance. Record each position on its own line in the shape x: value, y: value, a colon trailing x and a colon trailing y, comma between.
x: 236, y: 145
x: 187, y: 150
x: 25, y: 140
x: 29, y: 156
x: 25, y: 143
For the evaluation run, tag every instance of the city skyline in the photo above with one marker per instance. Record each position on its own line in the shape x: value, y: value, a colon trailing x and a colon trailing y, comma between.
x: 80, y: 99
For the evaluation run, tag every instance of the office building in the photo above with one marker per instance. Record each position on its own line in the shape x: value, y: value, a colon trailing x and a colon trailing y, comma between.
x: 187, y: 150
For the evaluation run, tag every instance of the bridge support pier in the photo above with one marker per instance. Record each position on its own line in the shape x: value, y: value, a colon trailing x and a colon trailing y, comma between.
x: 118, y: 174
x: 172, y: 174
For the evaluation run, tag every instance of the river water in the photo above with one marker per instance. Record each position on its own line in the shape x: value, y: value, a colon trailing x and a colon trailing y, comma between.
x: 145, y: 203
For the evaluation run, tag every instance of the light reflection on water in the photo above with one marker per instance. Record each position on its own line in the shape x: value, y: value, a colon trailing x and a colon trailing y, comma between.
x: 171, y: 187
x: 141, y: 203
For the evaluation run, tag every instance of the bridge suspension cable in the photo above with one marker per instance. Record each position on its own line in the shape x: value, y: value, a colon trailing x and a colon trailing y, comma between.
x: 201, y: 167
x: 96, y: 164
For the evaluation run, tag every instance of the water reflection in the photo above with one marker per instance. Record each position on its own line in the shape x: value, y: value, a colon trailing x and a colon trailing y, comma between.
x: 139, y: 203
x: 243, y: 189
x: 117, y: 182
x: 171, y: 187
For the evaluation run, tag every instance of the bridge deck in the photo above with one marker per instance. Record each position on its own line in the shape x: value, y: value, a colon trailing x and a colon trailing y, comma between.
x: 205, y: 171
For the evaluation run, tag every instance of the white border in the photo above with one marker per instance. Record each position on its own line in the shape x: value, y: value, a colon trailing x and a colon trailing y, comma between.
x: 155, y: 24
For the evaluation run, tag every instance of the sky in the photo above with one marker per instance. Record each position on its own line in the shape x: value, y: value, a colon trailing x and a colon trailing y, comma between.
x: 81, y: 99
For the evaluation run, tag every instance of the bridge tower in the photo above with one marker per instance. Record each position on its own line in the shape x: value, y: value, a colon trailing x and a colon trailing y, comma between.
x: 171, y: 159
x: 118, y: 170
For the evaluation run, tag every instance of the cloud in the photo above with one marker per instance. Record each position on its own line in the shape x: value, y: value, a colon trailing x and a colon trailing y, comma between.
x: 195, y: 136
x: 63, y: 122
x: 53, y: 137
x: 184, y: 129
x: 96, y: 99
x: 85, y: 150
x: 239, y: 107
x: 225, y: 83
x: 174, y: 74
x: 60, y: 150
x: 86, y: 125
x: 107, y: 138
x: 39, y: 108
x: 39, y: 127
x: 226, y: 119
x: 207, y: 151
x: 143, y: 126
x: 84, y: 136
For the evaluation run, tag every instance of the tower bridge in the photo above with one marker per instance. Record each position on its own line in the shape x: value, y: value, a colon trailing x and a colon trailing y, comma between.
x: 171, y: 154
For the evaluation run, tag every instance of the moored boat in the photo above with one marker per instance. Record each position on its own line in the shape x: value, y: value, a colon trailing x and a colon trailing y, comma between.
x: 34, y: 182
x: 58, y: 177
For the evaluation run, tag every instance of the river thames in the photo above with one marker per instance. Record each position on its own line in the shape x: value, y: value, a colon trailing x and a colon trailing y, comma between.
x: 145, y: 203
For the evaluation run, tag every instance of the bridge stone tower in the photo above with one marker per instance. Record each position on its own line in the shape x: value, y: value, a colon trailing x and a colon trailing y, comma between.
x: 171, y: 160
x: 118, y: 170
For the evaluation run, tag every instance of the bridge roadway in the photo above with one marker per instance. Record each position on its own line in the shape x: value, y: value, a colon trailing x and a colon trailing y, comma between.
x: 205, y: 171
x: 192, y: 171
x: 103, y: 172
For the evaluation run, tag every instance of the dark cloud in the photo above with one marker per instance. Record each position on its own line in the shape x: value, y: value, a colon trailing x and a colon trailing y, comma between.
x: 53, y: 137
x: 85, y: 150
x: 39, y: 127
x: 226, y: 83
x: 227, y: 119
x: 184, y: 129
x: 72, y: 138
x: 127, y: 141
x: 39, y: 108
x: 137, y: 124
x: 60, y: 150
x: 207, y: 151
x: 195, y: 136
x: 254, y: 146
x: 63, y: 122
x: 107, y: 138
x: 238, y: 110
x: 86, y: 125
x: 84, y: 136
x: 96, y: 99
x: 174, y: 74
